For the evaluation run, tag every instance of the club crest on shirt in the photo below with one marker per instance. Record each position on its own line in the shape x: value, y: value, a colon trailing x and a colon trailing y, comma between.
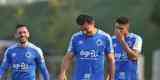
x: 28, y: 55
x: 114, y: 45
x: 129, y: 43
x: 99, y: 42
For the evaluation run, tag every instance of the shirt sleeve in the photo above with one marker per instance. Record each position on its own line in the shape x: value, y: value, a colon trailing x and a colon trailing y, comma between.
x: 5, y: 63
x: 70, y: 49
x: 40, y: 57
x: 138, y: 44
x: 41, y: 65
x: 109, y: 45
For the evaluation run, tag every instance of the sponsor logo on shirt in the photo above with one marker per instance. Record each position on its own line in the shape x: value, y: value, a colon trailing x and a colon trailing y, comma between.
x: 88, y: 54
x: 121, y: 56
x: 22, y: 67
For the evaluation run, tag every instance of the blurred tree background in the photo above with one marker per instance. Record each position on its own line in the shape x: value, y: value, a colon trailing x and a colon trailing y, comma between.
x: 52, y: 22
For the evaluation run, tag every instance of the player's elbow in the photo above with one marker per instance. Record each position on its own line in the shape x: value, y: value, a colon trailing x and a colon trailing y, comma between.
x: 68, y: 58
x: 112, y: 62
x: 44, y: 72
x: 111, y: 58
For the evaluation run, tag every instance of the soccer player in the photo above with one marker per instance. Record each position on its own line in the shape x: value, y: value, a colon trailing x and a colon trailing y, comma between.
x: 23, y: 58
x: 88, y: 49
x: 127, y: 48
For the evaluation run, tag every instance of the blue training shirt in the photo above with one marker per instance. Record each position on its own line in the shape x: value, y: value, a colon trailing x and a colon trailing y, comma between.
x: 126, y: 69
x: 89, y: 52
x: 23, y: 62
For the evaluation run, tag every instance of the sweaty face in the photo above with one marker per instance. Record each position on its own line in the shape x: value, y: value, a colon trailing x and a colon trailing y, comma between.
x: 123, y: 28
x: 22, y: 34
x: 87, y: 27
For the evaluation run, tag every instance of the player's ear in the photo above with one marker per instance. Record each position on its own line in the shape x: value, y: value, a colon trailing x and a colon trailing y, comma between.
x: 28, y: 35
x: 128, y: 26
x: 15, y: 35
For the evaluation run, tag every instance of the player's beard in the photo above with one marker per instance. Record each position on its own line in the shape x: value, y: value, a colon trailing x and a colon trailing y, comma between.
x: 22, y: 39
x: 86, y: 31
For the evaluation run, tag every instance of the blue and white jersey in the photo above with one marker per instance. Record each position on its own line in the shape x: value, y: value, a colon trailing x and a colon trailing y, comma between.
x: 23, y: 62
x: 126, y: 69
x: 89, y: 52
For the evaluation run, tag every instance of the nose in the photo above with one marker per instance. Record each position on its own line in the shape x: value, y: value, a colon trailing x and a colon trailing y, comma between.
x: 22, y: 33
x: 85, y: 26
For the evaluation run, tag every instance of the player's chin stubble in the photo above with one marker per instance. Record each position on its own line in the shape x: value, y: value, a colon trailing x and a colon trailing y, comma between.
x: 23, y: 40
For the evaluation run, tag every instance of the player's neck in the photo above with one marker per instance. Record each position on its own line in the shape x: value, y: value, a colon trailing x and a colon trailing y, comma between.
x: 92, y: 32
x: 25, y: 44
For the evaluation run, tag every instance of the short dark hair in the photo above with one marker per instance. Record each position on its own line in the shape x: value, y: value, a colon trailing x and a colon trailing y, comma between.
x: 81, y: 19
x: 122, y: 20
x: 21, y: 25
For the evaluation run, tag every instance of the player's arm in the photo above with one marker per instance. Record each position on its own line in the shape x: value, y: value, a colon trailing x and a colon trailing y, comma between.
x: 68, y: 58
x: 42, y: 66
x: 134, y: 52
x: 5, y: 63
x: 44, y: 71
x: 110, y: 59
x: 111, y: 66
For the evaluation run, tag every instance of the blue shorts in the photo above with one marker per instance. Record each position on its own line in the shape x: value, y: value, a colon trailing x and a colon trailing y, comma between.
x: 126, y: 70
x: 88, y: 76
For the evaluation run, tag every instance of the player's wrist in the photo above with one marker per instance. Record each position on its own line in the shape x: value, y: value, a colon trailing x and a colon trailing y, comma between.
x: 124, y: 44
x: 63, y: 71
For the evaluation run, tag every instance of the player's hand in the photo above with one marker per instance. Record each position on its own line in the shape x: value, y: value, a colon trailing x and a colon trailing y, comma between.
x: 62, y: 76
x: 108, y: 78
x: 120, y: 36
